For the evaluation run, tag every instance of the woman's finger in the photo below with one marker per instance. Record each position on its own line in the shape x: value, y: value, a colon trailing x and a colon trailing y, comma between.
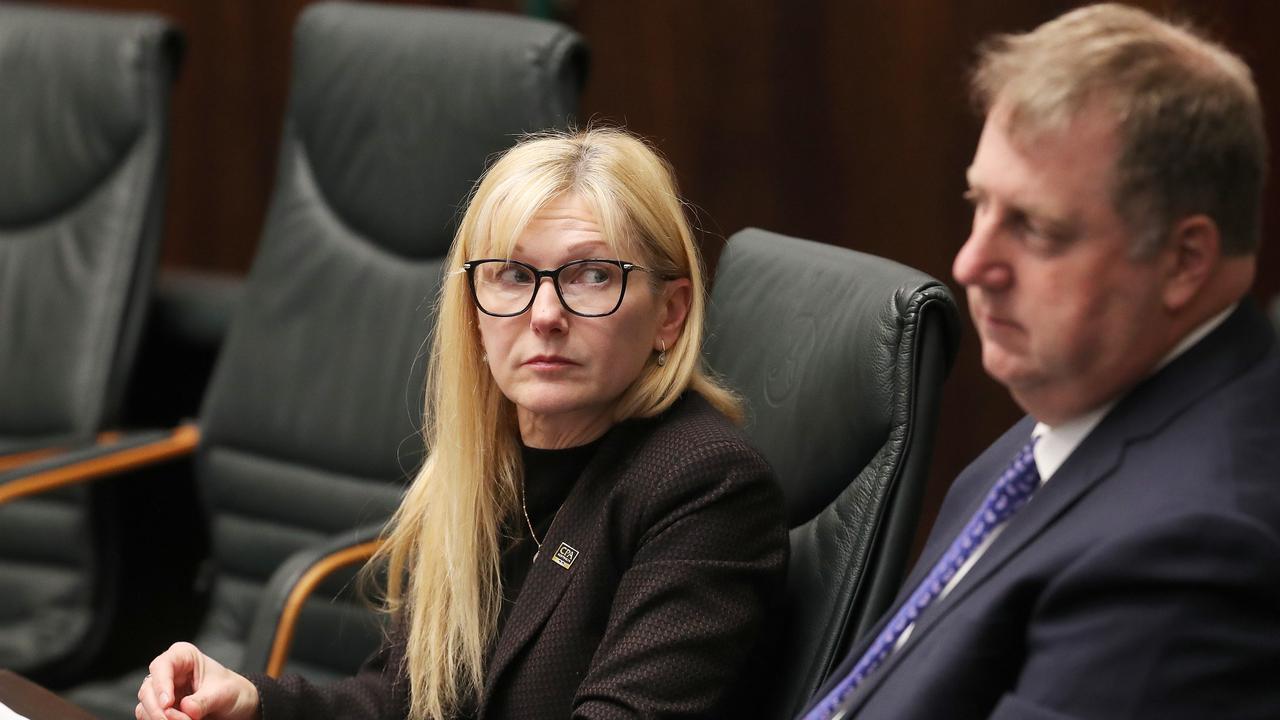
x: 148, y: 703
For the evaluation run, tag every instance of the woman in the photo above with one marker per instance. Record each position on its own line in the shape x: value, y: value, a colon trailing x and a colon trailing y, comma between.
x: 589, y: 536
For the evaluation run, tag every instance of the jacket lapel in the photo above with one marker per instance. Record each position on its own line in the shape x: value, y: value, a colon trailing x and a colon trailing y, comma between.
x: 543, y: 587
x: 547, y: 579
x: 972, y: 484
x: 968, y: 485
x: 1240, y: 342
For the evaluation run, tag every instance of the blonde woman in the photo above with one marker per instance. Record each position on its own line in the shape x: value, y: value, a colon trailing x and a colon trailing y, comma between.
x: 590, y: 536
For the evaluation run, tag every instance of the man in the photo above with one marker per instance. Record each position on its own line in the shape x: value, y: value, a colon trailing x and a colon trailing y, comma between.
x: 1117, y: 553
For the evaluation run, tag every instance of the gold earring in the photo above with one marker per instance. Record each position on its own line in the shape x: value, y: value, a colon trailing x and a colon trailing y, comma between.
x: 662, y: 353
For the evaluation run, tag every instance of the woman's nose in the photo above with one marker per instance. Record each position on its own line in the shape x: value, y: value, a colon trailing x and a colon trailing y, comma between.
x: 548, y: 313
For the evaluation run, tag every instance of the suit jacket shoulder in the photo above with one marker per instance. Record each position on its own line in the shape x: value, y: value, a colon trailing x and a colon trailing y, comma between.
x: 1140, y: 581
x: 690, y: 455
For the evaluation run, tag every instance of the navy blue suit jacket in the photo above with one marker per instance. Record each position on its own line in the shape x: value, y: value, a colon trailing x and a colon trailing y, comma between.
x: 1142, y: 581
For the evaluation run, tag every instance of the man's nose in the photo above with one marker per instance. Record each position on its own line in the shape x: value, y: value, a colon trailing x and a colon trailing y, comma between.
x: 982, y: 260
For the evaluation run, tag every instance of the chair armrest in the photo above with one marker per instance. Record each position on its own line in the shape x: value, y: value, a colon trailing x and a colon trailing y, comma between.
x: 271, y: 635
x: 127, y: 452
x: 25, y: 453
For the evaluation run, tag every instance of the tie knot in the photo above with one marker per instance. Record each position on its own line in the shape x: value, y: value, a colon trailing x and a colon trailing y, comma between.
x: 1016, y: 484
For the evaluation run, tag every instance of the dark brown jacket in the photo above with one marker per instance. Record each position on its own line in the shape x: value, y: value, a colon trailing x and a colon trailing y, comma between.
x: 647, y: 597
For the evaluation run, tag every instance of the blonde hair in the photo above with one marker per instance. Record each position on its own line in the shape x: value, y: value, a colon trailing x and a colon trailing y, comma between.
x: 1187, y: 112
x: 442, y: 546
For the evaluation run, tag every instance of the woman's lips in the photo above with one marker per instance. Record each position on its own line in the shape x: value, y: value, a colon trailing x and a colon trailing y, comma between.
x: 548, y: 362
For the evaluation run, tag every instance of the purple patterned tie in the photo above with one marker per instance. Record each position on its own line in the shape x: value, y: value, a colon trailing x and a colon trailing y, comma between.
x: 1010, y: 492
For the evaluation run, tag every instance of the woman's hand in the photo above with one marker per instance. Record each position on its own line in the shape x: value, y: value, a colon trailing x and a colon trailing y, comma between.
x: 186, y: 684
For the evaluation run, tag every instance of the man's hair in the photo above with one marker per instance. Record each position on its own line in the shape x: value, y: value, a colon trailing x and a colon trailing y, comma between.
x: 1186, y: 109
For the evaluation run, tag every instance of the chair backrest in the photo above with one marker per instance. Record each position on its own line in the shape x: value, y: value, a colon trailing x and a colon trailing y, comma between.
x: 840, y: 356
x: 83, y: 140
x: 312, y: 415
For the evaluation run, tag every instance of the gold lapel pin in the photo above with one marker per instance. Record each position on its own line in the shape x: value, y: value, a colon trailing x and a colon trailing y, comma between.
x: 565, y: 555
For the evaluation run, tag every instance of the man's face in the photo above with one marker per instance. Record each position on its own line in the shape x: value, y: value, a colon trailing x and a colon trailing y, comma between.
x: 1068, y: 318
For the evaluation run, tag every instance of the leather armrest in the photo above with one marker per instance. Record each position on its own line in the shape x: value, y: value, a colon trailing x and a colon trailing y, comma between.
x: 292, y: 583
x: 128, y: 451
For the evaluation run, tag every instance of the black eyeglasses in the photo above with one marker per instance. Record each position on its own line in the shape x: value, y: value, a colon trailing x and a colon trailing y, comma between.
x: 588, y: 288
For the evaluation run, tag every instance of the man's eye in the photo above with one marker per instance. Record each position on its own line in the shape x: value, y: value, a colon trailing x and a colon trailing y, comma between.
x: 1037, y: 229
x: 1025, y: 226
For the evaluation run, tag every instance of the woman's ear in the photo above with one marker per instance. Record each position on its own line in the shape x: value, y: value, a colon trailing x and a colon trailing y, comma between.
x: 677, y: 297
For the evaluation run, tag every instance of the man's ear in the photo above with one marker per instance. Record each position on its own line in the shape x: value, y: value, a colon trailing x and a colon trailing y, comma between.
x: 677, y: 298
x: 1190, y: 259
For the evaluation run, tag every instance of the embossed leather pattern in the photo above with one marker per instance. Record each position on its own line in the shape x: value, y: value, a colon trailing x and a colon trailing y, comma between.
x: 311, y: 416
x: 83, y: 133
x: 840, y: 356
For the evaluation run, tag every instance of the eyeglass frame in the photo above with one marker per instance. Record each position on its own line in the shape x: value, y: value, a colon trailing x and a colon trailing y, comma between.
x: 468, y: 267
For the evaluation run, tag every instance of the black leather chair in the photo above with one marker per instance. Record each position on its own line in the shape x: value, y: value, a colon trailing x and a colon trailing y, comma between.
x: 1275, y: 313
x: 83, y: 144
x: 309, y: 427
x: 189, y: 316
x: 841, y: 357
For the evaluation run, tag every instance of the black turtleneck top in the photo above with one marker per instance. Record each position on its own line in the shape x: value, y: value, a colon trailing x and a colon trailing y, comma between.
x: 549, y: 476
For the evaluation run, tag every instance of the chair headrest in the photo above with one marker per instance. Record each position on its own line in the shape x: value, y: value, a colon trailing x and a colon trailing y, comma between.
x: 68, y: 119
x: 819, y: 341
x: 393, y: 113
x: 397, y: 109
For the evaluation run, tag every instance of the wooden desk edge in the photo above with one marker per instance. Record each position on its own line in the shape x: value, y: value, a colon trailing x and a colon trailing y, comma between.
x: 35, y: 702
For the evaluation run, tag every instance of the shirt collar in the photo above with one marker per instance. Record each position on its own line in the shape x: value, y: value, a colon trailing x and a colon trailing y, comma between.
x: 1055, y: 444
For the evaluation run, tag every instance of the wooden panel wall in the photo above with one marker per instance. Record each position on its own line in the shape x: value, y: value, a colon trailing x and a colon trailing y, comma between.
x: 843, y: 122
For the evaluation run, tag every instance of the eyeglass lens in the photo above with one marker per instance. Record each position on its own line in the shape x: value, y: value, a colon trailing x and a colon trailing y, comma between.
x: 588, y: 287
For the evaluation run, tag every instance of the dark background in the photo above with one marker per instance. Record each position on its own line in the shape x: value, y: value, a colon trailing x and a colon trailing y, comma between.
x: 842, y: 121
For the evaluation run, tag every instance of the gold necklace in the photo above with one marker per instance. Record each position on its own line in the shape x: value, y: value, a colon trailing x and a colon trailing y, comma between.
x: 525, y: 509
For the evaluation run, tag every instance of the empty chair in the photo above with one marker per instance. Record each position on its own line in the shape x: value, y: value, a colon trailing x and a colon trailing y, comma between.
x: 83, y: 142
x: 309, y: 426
x: 841, y: 358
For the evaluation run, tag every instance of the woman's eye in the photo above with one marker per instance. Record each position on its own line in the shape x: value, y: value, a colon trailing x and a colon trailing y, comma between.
x: 595, y: 276
x: 514, y: 275
x: 592, y: 275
